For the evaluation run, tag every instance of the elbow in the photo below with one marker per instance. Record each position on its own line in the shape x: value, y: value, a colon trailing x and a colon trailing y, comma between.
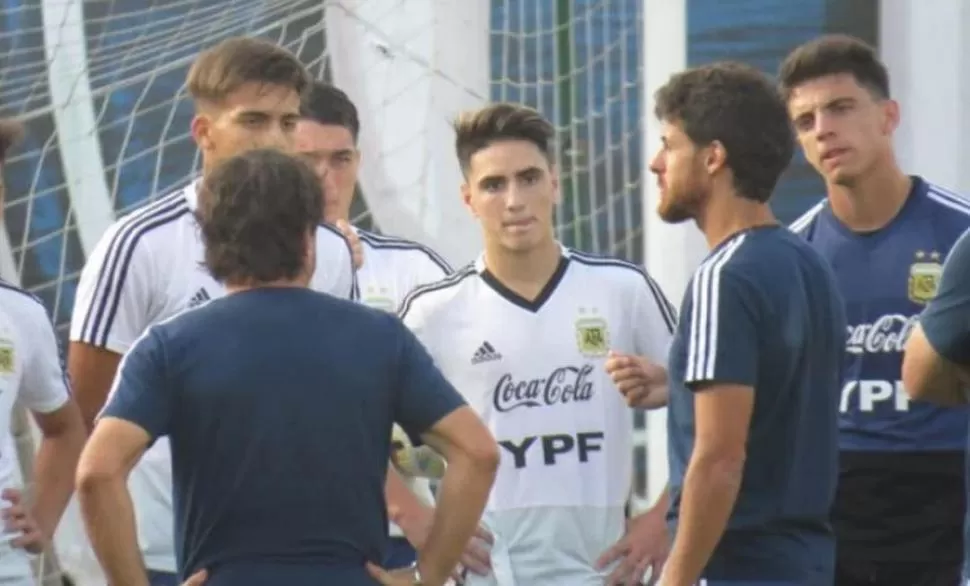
x: 917, y: 377
x: 93, y: 477
x: 487, y: 457
x: 484, y: 458
x: 724, y: 467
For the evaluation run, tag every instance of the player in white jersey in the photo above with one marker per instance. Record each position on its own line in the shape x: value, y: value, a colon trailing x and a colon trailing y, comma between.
x: 147, y: 267
x: 391, y: 267
x: 31, y: 371
x: 524, y: 333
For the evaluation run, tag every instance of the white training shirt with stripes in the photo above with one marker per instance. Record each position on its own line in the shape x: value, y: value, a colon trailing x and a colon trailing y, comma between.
x: 534, y: 372
x: 145, y: 269
x: 392, y: 268
x: 31, y: 371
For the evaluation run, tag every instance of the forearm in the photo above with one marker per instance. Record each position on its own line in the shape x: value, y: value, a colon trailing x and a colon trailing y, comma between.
x: 110, y: 522
x: 461, y: 500
x: 710, y: 490
x: 54, y: 468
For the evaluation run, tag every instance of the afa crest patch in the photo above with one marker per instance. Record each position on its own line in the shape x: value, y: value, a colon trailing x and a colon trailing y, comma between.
x: 7, y: 356
x: 592, y: 336
x: 924, y: 277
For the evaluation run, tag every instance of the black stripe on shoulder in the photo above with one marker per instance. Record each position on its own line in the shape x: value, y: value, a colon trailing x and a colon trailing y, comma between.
x: 450, y: 281
x: 7, y: 286
x: 393, y: 242
x: 106, y: 298
x: 667, y: 311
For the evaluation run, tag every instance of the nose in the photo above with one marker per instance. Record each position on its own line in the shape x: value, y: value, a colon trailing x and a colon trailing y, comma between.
x: 824, y: 125
x: 656, y: 164
x: 514, y: 197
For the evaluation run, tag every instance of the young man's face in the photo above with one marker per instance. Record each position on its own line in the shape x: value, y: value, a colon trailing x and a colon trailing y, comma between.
x: 843, y: 128
x: 512, y: 189
x: 331, y: 151
x: 254, y: 116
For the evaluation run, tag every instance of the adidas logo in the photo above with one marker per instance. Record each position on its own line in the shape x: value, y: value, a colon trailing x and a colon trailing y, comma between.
x: 201, y: 296
x: 485, y: 353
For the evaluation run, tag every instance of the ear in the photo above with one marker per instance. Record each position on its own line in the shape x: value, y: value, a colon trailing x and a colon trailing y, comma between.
x: 201, y: 128
x: 715, y: 157
x: 891, y: 116
x: 554, y: 181
x: 466, y: 198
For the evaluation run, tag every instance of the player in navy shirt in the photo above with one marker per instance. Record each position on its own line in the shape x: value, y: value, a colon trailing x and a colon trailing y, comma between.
x: 900, y: 499
x: 754, y: 367
x: 936, y: 366
x: 278, y: 402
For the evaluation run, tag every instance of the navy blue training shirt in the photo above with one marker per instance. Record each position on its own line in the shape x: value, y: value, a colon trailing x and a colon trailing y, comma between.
x: 278, y: 404
x: 763, y: 311
x: 946, y: 324
x: 901, y: 483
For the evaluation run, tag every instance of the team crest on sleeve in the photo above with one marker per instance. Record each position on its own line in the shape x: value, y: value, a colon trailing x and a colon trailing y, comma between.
x: 592, y: 336
x: 7, y: 356
x: 924, y: 276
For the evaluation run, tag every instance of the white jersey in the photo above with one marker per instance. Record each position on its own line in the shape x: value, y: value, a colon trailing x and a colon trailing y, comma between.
x: 31, y: 370
x: 148, y: 268
x: 392, y: 268
x: 534, y: 372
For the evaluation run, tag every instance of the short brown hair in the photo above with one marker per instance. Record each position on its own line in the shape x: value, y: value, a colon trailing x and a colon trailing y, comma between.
x: 11, y: 133
x: 834, y: 55
x: 327, y: 104
x: 221, y: 70
x: 738, y: 106
x: 478, y: 129
x: 256, y: 210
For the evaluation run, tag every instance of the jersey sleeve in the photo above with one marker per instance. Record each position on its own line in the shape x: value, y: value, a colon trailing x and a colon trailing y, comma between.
x: 723, y: 335
x: 946, y: 319
x: 430, y: 268
x: 141, y: 393
x: 45, y: 386
x: 424, y: 396
x: 112, y: 305
x: 655, y: 321
x: 334, y: 272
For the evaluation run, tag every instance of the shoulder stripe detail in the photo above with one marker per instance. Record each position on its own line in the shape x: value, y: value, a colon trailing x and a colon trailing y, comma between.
x: 381, y: 241
x: 11, y: 287
x: 805, y: 220
x: 449, y: 281
x: 704, y: 312
x: 4, y: 285
x: 948, y: 199
x: 666, y: 309
x: 117, y: 261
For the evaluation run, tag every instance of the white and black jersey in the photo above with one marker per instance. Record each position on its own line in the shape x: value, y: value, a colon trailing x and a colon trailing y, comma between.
x: 392, y: 268
x: 147, y: 268
x: 31, y: 371
x: 534, y: 371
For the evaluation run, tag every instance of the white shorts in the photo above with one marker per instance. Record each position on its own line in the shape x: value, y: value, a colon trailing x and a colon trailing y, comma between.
x: 15, y: 568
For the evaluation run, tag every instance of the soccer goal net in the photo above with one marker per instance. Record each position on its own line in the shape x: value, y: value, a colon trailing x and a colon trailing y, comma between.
x: 100, y: 87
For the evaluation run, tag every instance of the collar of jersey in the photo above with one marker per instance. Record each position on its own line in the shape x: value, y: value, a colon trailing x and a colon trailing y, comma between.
x: 480, y: 261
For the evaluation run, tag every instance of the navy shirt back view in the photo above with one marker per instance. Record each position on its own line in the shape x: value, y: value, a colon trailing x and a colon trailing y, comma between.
x: 279, y: 403
x: 763, y: 311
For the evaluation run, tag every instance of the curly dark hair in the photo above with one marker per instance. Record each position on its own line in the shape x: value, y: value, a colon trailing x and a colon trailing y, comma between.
x: 256, y: 211
x: 478, y: 129
x: 738, y: 106
x: 327, y: 104
x: 834, y: 55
